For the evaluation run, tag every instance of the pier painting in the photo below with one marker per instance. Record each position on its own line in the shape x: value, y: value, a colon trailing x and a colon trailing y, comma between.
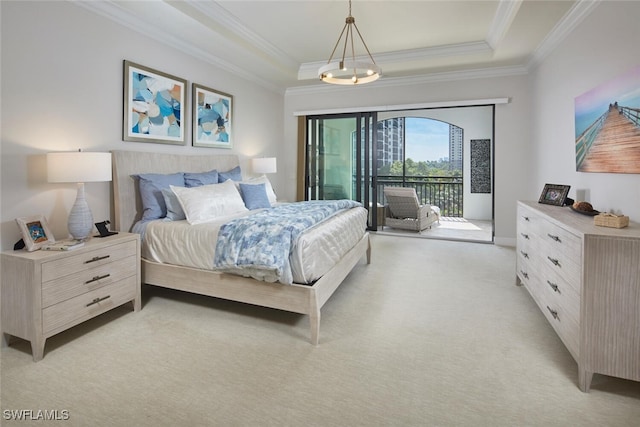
x: 607, y: 124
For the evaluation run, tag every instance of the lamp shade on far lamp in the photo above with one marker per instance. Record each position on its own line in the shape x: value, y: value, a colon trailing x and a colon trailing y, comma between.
x: 264, y: 165
x: 79, y: 167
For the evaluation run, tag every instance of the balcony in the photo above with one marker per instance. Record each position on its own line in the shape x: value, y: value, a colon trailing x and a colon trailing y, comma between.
x: 442, y: 191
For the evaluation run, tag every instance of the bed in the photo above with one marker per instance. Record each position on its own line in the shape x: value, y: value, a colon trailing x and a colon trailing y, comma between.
x: 300, y: 298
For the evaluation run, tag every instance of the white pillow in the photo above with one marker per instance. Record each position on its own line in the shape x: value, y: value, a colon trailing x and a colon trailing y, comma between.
x: 208, y: 202
x: 271, y: 195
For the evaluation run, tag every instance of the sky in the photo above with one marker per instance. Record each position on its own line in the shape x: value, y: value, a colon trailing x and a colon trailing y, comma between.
x: 426, y: 139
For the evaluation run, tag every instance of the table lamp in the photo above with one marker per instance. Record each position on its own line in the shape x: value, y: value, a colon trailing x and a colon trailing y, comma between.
x: 262, y: 165
x: 79, y: 167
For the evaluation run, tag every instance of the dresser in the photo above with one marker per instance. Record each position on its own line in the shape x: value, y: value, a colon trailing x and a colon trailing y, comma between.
x: 586, y: 281
x: 47, y: 292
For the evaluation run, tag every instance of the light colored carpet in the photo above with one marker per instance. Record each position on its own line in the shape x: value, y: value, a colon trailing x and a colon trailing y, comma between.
x: 432, y: 333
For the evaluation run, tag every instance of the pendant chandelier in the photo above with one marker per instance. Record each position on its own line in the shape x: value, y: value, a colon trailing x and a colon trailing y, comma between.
x: 349, y: 71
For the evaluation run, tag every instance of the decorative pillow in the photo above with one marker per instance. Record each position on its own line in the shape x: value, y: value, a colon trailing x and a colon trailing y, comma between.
x: 150, y: 186
x: 192, y: 179
x: 254, y: 196
x: 174, y: 210
x: 208, y: 202
x: 234, y: 174
x: 271, y: 195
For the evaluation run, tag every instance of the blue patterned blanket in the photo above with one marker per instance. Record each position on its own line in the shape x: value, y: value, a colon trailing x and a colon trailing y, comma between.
x: 259, y: 245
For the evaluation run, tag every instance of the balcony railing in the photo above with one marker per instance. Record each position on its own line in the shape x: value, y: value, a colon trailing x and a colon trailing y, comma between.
x: 442, y: 191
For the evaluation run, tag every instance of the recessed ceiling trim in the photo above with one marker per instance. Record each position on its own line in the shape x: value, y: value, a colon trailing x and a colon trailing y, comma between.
x: 502, y: 20
x: 564, y: 27
x: 400, y: 107
x: 116, y: 13
x: 446, y: 76
x: 309, y: 70
x: 227, y: 20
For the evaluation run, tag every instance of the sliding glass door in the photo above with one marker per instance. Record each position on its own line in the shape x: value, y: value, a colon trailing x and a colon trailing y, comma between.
x: 340, y: 158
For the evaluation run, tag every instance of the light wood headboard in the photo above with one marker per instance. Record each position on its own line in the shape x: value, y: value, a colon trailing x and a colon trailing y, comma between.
x: 127, y: 164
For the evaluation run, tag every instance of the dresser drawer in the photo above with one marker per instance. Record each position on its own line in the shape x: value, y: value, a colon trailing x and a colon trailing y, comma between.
x: 560, y: 294
x: 63, y: 315
x: 87, y: 259
x: 561, y: 241
x: 561, y: 261
x: 65, y: 287
x: 561, y: 321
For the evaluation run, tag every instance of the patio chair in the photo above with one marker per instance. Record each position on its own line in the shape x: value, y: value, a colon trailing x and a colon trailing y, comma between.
x: 404, y: 210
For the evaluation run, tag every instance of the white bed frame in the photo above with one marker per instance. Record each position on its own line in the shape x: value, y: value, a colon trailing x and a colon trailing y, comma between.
x: 303, y: 299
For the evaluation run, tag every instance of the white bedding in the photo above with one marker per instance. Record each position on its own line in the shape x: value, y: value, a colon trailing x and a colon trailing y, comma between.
x: 317, y: 249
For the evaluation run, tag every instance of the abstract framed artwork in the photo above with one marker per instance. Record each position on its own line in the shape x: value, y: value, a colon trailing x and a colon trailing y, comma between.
x: 35, y: 232
x: 154, y: 106
x: 212, y: 118
x: 553, y: 194
x: 607, y: 126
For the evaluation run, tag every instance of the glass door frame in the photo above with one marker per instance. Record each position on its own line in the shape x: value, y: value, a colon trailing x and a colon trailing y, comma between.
x: 364, y: 151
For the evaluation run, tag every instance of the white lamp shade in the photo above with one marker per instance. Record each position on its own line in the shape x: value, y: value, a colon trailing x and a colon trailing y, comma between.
x: 78, y: 166
x: 264, y: 165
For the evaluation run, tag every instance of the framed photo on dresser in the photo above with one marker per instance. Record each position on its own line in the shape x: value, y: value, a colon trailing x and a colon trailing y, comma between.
x: 553, y: 194
x: 35, y: 232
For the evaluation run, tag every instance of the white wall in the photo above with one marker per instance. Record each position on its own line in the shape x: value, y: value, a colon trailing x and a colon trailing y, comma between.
x: 605, y: 45
x: 512, y: 166
x: 62, y: 89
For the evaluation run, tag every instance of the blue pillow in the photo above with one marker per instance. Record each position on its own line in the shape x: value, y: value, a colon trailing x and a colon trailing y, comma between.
x: 254, y: 196
x: 234, y: 174
x: 174, y: 209
x: 150, y: 186
x: 192, y: 179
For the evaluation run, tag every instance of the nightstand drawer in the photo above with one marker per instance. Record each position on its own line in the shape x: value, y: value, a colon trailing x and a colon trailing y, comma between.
x: 68, y: 313
x: 87, y: 259
x: 63, y: 288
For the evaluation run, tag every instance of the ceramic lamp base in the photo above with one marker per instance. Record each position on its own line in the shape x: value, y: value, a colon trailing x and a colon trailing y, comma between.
x: 80, y: 218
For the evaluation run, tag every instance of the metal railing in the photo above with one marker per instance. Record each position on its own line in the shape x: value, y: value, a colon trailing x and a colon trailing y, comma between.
x: 442, y: 191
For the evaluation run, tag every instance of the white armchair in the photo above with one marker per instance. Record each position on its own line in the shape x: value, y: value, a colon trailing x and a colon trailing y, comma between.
x: 404, y: 210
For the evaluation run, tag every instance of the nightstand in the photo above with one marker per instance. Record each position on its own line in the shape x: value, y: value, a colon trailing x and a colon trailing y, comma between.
x: 47, y: 292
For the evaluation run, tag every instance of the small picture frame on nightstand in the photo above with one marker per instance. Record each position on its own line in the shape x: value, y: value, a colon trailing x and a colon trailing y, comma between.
x: 35, y: 232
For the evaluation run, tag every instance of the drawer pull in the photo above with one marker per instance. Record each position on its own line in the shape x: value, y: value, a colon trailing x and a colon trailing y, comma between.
x: 526, y: 218
x: 524, y: 254
x: 97, y: 300
x: 96, y: 278
x: 97, y: 258
x: 524, y: 274
x: 556, y: 238
x: 526, y: 236
x: 554, y: 287
x: 553, y: 313
x: 554, y: 261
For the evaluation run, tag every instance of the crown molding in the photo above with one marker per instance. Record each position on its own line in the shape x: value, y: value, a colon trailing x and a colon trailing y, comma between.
x: 111, y: 10
x: 562, y: 29
x: 228, y: 21
x: 309, y: 70
x: 502, y: 20
x: 447, y: 76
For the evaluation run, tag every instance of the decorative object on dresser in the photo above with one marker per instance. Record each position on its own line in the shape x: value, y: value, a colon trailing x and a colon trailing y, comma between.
x: 47, y: 292
x: 586, y: 281
x: 35, y: 232
x: 611, y: 220
x: 79, y: 167
x: 154, y: 106
x: 212, y: 118
x: 554, y: 194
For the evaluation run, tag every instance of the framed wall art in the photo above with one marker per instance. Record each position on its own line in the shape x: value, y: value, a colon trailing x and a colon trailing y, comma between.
x: 553, y: 194
x: 607, y: 126
x: 35, y: 232
x: 212, y: 118
x: 154, y: 106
